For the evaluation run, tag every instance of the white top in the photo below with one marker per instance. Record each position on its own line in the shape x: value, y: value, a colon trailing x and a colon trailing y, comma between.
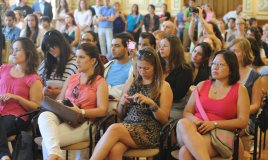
x: 39, y: 38
x: 83, y: 17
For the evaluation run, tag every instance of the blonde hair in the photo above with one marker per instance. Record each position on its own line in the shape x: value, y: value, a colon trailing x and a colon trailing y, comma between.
x: 247, y: 55
x: 159, y: 33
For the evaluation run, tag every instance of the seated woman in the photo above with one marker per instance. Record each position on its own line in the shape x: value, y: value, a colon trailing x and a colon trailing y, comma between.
x: 58, y: 65
x: 225, y: 102
x: 20, y: 90
x: 146, y: 101
x: 89, y: 91
x: 199, y: 62
x: 177, y: 72
x: 248, y: 77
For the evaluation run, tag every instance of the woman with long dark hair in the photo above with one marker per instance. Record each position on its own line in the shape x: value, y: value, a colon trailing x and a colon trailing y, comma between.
x: 32, y: 30
x: 59, y: 62
x: 86, y: 89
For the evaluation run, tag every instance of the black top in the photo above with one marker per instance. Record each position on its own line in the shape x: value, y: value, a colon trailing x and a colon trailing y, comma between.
x: 203, y: 74
x: 147, y: 22
x: 180, y: 79
x: 25, y: 10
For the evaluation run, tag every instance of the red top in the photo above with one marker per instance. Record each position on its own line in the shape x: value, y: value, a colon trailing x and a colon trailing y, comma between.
x: 87, y: 94
x: 218, y: 109
x: 18, y: 86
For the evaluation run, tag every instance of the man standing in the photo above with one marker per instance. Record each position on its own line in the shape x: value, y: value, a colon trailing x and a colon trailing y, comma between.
x: 10, y: 31
x: 105, y: 30
x: 22, y: 6
x: 44, y: 7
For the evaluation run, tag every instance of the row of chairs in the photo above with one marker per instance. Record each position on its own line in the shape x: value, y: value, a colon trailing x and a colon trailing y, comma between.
x: 168, y: 148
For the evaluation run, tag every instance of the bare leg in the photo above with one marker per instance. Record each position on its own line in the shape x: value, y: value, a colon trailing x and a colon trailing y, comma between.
x: 115, y: 133
x: 185, y: 154
x: 193, y: 141
x: 117, y: 151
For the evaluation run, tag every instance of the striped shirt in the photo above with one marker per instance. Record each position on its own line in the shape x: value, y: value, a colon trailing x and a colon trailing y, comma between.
x: 70, y: 69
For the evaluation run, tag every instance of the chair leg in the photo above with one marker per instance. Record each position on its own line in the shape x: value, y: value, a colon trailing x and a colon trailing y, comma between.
x: 67, y: 155
x: 260, y: 144
x: 264, y: 142
x: 255, y: 141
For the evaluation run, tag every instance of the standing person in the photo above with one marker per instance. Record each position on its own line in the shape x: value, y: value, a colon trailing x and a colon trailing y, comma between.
x: 151, y: 20
x: 148, y: 96
x: 71, y: 31
x: 105, y: 30
x: 226, y: 104
x: 43, y: 7
x: 179, y: 22
x: 236, y: 14
x: 59, y: 63
x: 61, y: 10
x: 96, y: 7
x: 210, y: 15
x: 134, y: 22
x: 33, y: 31
x: 177, y: 72
x: 119, y: 21
x: 20, y: 91
x: 10, y: 31
x: 86, y: 89
x: 83, y: 16
x: 187, y: 18
x: 22, y: 6
x: 164, y: 15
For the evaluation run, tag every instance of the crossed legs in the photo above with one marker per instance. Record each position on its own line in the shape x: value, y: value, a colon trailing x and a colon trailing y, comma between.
x: 113, y: 143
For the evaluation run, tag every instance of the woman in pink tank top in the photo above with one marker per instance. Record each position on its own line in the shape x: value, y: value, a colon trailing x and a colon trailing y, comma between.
x: 20, y: 90
x: 88, y: 92
x: 225, y: 102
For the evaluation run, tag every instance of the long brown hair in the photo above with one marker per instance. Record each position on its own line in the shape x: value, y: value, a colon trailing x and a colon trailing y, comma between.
x: 148, y: 54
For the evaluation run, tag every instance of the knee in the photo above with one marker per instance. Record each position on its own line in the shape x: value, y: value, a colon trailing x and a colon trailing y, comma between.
x: 45, y: 117
x: 115, y: 129
x: 183, y: 125
x: 185, y: 154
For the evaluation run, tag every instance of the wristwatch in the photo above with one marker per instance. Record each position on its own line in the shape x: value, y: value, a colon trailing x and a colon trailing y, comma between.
x: 215, y: 124
x: 83, y: 113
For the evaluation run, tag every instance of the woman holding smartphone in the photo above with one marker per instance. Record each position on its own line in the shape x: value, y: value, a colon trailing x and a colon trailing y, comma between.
x: 59, y: 63
x: 86, y: 89
x: 146, y: 101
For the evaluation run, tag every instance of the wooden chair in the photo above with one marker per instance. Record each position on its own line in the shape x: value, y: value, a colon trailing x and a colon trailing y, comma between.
x: 261, y: 123
x: 153, y: 152
x: 101, y: 125
x: 173, y: 151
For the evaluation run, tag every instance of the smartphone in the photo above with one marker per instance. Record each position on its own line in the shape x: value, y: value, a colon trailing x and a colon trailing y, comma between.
x: 131, y: 45
x: 67, y: 102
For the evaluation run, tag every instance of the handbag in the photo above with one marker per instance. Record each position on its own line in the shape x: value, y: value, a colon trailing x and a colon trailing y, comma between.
x: 64, y: 113
x: 221, y: 139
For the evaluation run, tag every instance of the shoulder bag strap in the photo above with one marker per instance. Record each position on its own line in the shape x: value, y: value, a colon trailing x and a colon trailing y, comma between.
x: 199, y: 105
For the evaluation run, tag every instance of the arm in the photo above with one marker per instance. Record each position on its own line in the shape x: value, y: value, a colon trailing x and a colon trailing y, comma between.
x: 61, y: 96
x: 122, y: 103
x: 77, y: 37
x: 256, y: 97
x: 191, y: 28
x: 139, y: 26
x: 102, y: 102
x: 157, y: 23
x: 162, y: 114
x: 35, y: 97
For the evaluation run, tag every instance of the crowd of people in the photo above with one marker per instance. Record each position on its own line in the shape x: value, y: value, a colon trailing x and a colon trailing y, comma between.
x: 149, y: 63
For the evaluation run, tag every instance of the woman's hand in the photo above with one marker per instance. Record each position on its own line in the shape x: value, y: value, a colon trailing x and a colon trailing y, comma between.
x: 141, y: 99
x: 124, y: 100
x: 205, y: 126
x: 8, y: 96
x: 76, y: 108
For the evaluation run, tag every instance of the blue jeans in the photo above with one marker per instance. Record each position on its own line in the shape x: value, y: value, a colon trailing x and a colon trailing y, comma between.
x: 105, y: 39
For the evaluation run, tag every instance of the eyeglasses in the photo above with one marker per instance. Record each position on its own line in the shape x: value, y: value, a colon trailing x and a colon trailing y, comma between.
x: 16, y: 50
x: 76, y: 91
x: 220, y: 65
